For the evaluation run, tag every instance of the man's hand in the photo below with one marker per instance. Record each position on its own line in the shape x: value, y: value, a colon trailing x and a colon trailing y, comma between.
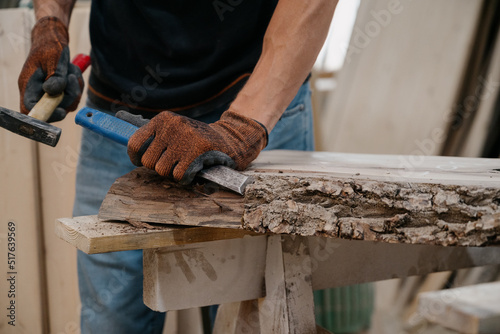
x: 48, y: 69
x: 179, y: 147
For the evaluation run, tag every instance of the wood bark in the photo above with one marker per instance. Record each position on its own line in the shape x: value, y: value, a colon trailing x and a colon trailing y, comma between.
x: 440, y: 201
x: 374, y: 210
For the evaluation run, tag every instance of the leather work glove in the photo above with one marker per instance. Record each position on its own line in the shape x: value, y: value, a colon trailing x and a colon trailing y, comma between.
x: 48, y: 69
x: 179, y: 147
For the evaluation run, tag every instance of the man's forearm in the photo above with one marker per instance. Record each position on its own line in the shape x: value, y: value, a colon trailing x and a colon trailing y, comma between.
x: 292, y: 42
x: 59, y: 8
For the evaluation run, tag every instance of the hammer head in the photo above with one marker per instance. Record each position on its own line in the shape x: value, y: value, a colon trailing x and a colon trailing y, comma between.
x: 29, y: 127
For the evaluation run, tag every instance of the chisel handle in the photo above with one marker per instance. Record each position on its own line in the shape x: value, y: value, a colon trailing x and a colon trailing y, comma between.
x: 107, y: 125
x: 47, y: 104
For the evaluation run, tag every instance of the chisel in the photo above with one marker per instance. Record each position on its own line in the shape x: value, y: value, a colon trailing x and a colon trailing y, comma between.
x: 120, y: 131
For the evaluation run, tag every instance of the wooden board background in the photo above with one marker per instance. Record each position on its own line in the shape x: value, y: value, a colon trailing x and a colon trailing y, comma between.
x: 37, y: 184
x: 401, y: 77
x: 19, y: 199
x: 57, y: 184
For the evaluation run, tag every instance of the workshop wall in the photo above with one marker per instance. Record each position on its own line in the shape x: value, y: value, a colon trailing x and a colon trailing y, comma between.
x: 37, y: 186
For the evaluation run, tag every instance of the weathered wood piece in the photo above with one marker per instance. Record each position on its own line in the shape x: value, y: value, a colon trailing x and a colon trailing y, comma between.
x: 93, y: 236
x: 297, y: 270
x: 143, y: 195
x: 472, y: 309
x: 400, y: 199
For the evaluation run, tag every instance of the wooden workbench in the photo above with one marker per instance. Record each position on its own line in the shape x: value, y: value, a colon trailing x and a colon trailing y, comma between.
x: 274, y: 273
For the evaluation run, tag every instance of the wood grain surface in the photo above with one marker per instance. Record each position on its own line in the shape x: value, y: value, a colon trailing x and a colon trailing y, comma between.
x: 400, y: 199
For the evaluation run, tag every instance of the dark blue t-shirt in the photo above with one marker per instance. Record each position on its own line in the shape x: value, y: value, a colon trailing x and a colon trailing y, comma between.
x: 153, y: 55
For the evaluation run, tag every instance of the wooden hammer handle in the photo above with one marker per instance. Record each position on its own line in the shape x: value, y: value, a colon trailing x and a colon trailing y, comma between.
x: 47, y: 104
x: 45, y: 107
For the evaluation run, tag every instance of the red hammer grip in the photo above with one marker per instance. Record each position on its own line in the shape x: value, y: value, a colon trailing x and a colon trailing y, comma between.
x: 82, y: 61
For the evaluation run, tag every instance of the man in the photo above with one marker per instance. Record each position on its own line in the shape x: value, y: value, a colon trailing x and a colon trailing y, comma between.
x: 233, y: 75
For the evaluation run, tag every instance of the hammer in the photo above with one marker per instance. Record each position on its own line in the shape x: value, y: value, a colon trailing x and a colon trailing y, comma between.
x: 34, y: 125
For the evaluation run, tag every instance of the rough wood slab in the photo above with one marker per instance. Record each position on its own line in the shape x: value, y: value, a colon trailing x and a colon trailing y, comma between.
x: 93, y: 236
x: 399, y: 199
x: 471, y: 309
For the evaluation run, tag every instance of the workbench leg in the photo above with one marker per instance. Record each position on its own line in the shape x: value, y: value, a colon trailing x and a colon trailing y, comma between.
x: 288, y: 306
x: 237, y: 318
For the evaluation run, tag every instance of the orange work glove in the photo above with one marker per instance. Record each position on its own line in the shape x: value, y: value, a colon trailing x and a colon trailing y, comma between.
x: 179, y: 147
x: 48, y: 69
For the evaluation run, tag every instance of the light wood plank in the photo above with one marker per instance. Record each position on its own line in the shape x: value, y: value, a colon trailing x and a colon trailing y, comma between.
x: 273, y: 308
x: 400, y: 79
x: 92, y: 236
x: 432, y: 282
x: 225, y: 320
x: 334, y: 262
x: 490, y: 85
x: 298, y: 285
x: 20, y: 197
x: 247, y: 320
x: 57, y: 181
x: 288, y: 306
x: 472, y: 83
x: 472, y: 309
x: 362, y: 261
x: 218, y: 271
x: 440, y: 200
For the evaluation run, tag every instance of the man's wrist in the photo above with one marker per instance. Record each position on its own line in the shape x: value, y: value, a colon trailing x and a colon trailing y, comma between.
x: 60, y: 9
x: 50, y: 25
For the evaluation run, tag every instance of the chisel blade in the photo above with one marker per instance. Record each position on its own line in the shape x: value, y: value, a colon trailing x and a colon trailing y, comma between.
x: 227, y: 177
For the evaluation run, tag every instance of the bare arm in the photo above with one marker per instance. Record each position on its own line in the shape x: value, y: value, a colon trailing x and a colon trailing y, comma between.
x: 59, y: 8
x: 292, y: 42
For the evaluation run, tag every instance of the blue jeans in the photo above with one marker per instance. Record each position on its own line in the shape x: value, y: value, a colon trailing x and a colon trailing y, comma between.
x: 111, y: 284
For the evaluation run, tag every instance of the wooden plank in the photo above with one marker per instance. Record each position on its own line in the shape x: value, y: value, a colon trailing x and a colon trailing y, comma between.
x: 406, y: 292
x: 356, y: 261
x: 400, y: 79
x: 240, y: 264
x: 273, y: 308
x: 219, y: 271
x: 57, y: 184
x: 247, y: 319
x: 477, y: 275
x: 432, y: 282
x: 225, y: 320
x: 288, y: 306
x: 439, y: 200
x: 92, y: 236
x: 298, y: 285
x: 160, y: 199
x: 472, y: 84
x: 472, y: 309
x: 490, y: 86
x: 189, y: 321
x: 19, y: 198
